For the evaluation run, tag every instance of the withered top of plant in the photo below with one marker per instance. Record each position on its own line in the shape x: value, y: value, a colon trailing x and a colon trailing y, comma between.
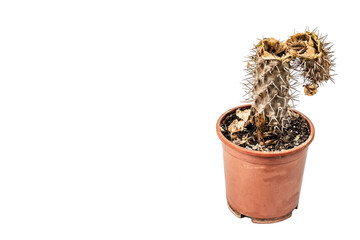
x: 272, y: 49
x: 305, y: 45
x: 301, y: 47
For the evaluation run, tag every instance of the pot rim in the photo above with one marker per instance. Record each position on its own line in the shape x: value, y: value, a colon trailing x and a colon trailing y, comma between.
x: 228, y: 143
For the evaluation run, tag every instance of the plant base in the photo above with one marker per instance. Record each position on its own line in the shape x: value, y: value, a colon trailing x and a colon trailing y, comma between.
x: 261, y: 220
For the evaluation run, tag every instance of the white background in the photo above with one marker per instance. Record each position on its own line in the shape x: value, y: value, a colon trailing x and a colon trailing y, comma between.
x: 108, y: 112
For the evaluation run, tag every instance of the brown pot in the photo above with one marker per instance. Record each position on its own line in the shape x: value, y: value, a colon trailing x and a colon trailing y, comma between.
x: 264, y: 186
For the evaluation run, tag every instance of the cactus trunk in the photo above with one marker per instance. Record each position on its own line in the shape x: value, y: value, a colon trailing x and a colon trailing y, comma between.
x: 271, y: 94
x: 271, y: 87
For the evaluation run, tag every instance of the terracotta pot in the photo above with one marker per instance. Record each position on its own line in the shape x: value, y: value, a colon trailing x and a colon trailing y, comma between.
x: 264, y: 186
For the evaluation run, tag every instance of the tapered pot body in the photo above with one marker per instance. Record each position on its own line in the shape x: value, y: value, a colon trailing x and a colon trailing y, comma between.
x: 264, y: 186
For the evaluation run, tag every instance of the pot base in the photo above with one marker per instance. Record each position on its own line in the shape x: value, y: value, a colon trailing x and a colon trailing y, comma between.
x: 261, y: 220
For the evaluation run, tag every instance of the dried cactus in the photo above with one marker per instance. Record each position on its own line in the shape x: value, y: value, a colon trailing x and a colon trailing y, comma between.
x: 313, y: 59
x: 271, y: 82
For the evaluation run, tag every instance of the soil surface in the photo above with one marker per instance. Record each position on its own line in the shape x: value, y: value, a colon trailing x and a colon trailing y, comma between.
x: 294, y: 134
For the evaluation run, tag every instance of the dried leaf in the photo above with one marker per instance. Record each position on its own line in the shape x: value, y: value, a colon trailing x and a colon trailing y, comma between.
x: 243, y: 114
x: 236, y: 125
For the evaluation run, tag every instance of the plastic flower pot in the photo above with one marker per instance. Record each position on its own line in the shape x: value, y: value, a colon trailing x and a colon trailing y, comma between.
x: 264, y: 186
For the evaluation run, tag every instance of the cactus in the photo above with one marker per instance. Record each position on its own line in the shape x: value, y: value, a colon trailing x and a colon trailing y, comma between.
x: 272, y: 79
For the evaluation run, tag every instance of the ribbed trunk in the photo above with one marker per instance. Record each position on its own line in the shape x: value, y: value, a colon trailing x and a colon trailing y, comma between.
x: 271, y: 94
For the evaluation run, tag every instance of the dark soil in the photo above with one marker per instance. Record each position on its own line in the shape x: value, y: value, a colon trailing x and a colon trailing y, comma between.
x: 294, y: 134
